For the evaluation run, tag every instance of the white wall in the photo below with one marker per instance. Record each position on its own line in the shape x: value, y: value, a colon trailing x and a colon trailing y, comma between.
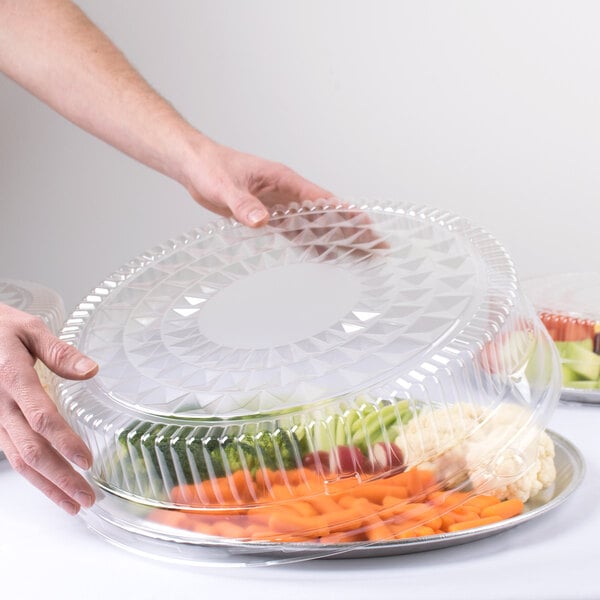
x: 490, y: 109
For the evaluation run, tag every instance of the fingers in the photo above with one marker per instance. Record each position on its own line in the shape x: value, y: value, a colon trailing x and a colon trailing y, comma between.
x: 247, y: 209
x: 81, y: 492
x: 58, y: 356
x: 297, y: 189
x: 281, y: 186
x: 25, y: 399
x: 228, y: 182
x: 36, y: 439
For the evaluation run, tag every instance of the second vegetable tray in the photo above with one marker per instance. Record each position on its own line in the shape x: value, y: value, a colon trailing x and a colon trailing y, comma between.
x: 344, y: 375
x: 569, y: 306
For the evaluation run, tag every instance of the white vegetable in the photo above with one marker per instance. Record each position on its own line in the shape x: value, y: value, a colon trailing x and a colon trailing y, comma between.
x: 498, y: 450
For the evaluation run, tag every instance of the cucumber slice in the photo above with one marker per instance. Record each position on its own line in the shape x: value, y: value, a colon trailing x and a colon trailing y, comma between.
x: 582, y: 361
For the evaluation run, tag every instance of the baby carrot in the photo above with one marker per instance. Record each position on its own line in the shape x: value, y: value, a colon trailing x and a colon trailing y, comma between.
x: 461, y: 515
x: 447, y: 521
x: 505, y: 509
x: 323, y: 503
x: 474, y: 523
x: 376, y: 529
x: 373, y: 492
x: 229, y: 530
x: 480, y: 502
x: 343, y: 520
x: 304, y: 509
x: 298, y: 505
x: 287, y: 522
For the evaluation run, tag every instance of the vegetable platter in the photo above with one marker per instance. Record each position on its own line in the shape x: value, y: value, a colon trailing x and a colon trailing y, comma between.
x: 569, y: 306
x: 348, y: 375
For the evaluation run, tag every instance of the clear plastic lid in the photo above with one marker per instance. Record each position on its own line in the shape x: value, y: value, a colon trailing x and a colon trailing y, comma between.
x: 34, y: 299
x: 569, y: 307
x: 40, y: 301
x: 342, y: 376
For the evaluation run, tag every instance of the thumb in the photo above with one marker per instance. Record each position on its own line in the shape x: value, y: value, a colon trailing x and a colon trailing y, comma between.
x: 60, y: 357
x: 248, y: 209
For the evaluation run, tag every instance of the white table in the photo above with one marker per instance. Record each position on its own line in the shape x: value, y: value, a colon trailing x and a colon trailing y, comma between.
x: 47, y: 554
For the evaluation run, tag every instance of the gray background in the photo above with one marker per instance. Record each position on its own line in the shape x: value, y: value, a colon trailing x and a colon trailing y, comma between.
x: 489, y: 109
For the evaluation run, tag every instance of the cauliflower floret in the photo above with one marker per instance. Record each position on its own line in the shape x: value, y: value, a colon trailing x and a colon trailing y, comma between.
x: 495, y: 450
x: 538, y: 477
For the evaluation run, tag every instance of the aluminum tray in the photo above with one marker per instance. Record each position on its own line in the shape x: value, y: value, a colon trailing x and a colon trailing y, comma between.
x: 580, y: 396
x: 570, y: 468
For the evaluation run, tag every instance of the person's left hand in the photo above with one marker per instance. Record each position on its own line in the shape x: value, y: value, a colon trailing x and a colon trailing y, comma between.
x: 231, y: 183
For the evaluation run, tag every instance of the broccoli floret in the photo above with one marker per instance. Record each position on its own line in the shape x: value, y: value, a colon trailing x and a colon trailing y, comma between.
x: 278, y: 449
x: 231, y: 455
x: 151, y: 458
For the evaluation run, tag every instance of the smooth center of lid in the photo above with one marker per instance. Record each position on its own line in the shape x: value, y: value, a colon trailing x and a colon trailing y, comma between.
x: 279, y: 306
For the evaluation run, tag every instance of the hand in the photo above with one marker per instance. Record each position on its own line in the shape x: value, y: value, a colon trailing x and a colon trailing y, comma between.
x: 231, y: 183
x: 36, y: 439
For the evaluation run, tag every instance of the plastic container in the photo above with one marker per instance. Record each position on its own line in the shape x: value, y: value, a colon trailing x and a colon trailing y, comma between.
x: 342, y: 377
x: 34, y: 299
x: 569, y: 307
x: 37, y: 300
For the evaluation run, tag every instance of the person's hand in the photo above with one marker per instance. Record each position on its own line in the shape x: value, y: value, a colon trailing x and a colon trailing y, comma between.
x: 246, y: 187
x: 231, y: 183
x: 35, y: 438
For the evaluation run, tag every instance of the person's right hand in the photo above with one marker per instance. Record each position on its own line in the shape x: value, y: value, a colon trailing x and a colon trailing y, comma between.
x: 35, y: 438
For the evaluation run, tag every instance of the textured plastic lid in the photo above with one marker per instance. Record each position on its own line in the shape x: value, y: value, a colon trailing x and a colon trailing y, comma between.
x: 248, y: 373
x: 568, y: 294
x: 569, y: 307
x: 34, y: 299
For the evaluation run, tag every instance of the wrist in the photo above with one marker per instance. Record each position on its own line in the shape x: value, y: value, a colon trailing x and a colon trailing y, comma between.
x: 193, y: 150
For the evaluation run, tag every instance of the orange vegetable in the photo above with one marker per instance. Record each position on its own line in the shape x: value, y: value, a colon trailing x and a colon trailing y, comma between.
x: 477, y: 503
x: 505, y: 509
x: 298, y: 506
x: 564, y: 328
x: 474, y: 523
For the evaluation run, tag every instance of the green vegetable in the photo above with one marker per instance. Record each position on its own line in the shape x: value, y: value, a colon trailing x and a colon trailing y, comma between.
x: 580, y: 359
x: 151, y: 459
x: 362, y: 426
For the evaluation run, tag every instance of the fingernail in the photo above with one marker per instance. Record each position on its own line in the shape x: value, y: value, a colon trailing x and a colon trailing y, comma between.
x: 257, y: 215
x: 85, y: 365
x: 84, y: 499
x: 68, y: 507
x: 81, y: 461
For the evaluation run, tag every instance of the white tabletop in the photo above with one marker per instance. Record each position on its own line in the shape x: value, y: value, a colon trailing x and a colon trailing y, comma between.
x: 47, y: 554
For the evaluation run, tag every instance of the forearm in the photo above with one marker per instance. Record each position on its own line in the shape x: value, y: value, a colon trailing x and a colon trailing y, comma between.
x: 53, y: 50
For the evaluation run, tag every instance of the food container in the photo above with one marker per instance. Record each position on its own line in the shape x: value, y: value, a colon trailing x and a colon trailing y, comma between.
x: 34, y: 299
x: 569, y: 307
x: 341, y: 378
x: 37, y: 300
